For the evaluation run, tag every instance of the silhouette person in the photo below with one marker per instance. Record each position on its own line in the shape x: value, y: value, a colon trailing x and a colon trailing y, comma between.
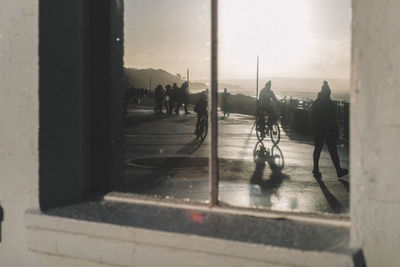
x: 183, y: 98
x: 200, y: 108
x: 325, y: 129
x: 168, y: 99
x: 174, y: 96
x: 268, y: 104
x: 159, y: 97
x: 226, y: 102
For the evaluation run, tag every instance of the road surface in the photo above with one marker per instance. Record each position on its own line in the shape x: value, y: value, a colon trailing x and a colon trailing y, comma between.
x: 163, y: 160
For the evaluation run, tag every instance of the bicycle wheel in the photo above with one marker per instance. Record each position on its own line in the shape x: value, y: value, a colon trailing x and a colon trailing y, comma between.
x: 275, y: 133
x: 277, y: 157
x: 203, y: 127
x: 260, y: 130
x: 260, y: 153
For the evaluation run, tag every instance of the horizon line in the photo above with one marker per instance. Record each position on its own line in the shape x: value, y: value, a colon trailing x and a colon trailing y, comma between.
x: 247, y: 78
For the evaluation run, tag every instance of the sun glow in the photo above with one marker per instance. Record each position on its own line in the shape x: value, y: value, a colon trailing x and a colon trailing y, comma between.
x: 294, y: 38
x: 277, y: 31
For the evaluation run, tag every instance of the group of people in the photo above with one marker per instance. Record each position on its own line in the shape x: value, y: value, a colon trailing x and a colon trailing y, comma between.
x: 324, y: 123
x: 135, y: 95
x: 323, y: 115
x: 172, y: 98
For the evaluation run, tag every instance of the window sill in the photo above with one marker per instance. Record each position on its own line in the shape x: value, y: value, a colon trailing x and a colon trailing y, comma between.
x: 129, y: 234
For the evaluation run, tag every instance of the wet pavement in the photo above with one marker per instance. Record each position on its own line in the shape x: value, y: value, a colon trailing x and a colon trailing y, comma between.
x: 163, y: 160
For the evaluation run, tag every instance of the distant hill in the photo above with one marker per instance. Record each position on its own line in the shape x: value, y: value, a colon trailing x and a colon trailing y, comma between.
x: 297, y: 87
x: 140, y: 78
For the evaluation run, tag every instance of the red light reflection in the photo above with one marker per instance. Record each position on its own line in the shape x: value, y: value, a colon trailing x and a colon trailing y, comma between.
x: 196, y: 217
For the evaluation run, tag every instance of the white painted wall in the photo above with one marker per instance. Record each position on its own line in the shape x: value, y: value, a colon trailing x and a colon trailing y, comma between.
x: 18, y: 124
x: 375, y: 132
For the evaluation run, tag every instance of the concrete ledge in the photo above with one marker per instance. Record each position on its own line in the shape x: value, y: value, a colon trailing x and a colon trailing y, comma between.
x: 81, y: 232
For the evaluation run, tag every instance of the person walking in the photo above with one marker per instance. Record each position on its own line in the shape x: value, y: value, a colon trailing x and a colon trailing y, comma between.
x: 159, y: 97
x: 226, y: 102
x: 175, y: 97
x: 168, y: 99
x: 182, y: 98
x: 185, y: 96
x: 325, y: 129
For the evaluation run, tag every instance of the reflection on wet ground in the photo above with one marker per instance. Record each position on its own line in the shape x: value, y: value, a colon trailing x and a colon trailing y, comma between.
x: 163, y: 160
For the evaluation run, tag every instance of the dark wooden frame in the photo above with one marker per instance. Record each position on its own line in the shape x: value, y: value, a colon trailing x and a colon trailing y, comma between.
x: 80, y: 75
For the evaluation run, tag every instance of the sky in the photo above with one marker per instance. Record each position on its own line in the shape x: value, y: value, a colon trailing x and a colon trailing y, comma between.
x: 293, y: 38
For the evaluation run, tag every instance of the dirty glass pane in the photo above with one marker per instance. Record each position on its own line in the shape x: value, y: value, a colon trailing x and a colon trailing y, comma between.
x: 167, y: 70
x: 266, y: 146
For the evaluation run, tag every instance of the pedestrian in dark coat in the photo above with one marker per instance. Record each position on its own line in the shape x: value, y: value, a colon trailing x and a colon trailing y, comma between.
x: 159, y: 97
x: 168, y: 99
x: 183, y: 98
x: 175, y: 96
x: 325, y: 129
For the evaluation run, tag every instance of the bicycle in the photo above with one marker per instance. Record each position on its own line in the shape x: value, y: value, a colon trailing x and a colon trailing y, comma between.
x: 263, y: 130
x: 272, y: 155
x: 202, y: 127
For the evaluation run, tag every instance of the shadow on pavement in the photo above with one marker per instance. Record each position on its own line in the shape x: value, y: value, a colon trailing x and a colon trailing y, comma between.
x: 144, y: 118
x: 330, y: 198
x: 163, y: 168
x: 345, y: 184
x: 183, y: 120
x: 274, y: 157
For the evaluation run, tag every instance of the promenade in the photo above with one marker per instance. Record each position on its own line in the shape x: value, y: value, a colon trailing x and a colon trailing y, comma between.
x: 163, y: 160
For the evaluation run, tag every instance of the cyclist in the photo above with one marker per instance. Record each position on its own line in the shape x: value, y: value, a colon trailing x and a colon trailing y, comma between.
x: 201, y: 109
x: 267, y: 104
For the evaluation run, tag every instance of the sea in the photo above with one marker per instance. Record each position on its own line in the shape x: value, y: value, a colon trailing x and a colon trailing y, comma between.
x: 296, y: 88
x: 295, y: 94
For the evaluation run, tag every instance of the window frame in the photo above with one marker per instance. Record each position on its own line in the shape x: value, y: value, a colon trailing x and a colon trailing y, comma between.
x: 338, y: 219
x: 80, y: 87
x: 101, y: 143
x: 213, y: 122
x: 75, y: 160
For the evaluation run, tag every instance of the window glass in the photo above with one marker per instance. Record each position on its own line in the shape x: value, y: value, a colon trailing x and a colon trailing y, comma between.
x: 167, y: 72
x: 284, y: 70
